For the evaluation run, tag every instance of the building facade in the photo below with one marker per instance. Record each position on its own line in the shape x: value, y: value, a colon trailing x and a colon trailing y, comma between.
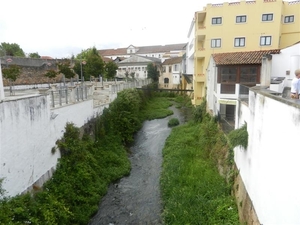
x: 136, y: 67
x: 170, y: 77
x: 241, y: 26
x: 161, y: 52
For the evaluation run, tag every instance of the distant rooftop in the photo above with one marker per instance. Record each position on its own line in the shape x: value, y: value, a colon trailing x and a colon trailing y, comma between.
x: 144, y: 49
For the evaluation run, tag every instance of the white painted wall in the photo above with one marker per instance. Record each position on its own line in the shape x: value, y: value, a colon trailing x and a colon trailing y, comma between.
x: 28, y: 134
x: 270, y: 166
x: 287, y: 60
x: 190, y: 48
x: 29, y: 128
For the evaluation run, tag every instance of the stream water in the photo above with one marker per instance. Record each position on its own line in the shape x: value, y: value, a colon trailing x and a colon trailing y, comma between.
x: 135, y: 199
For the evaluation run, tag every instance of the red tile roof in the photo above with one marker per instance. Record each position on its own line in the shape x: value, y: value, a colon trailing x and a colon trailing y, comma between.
x: 251, y: 57
x: 46, y: 57
x: 172, y: 61
x: 106, y: 59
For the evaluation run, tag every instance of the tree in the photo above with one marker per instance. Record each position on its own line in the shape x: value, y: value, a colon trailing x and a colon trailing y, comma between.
x: 93, y: 66
x: 111, y: 70
x: 11, y: 49
x: 132, y: 74
x: 65, y: 68
x: 152, y: 71
x: 51, y: 74
x: 12, y: 72
x: 34, y: 55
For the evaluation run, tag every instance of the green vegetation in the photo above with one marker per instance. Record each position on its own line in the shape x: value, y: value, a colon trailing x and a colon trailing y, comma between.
x: 239, y: 137
x: 159, y: 108
x: 173, y: 122
x: 193, y: 191
x: 65, y: 68
x: 153, y: 72
x: 12, y: 72
x: 11, y: 49
x: 34, y: 55
x: 87, y: 166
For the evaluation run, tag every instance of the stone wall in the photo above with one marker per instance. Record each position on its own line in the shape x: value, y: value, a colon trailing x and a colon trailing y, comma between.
x: 33, y: 70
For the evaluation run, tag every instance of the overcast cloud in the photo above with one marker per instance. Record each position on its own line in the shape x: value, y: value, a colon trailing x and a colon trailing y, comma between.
x: 60, y: 28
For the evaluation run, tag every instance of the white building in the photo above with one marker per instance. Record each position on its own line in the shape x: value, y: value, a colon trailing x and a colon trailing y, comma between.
x: 161, y: 52
x: 136, y: 66
x: 268, y: 192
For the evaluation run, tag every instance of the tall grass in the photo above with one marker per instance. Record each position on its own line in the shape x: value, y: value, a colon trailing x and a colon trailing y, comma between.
x: 193, y: 191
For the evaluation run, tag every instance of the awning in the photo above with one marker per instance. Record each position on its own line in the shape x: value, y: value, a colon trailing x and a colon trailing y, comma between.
x: 227, y: 101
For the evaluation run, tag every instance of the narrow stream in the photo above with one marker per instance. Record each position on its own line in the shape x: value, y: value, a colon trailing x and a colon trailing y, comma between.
x: 135, y: 200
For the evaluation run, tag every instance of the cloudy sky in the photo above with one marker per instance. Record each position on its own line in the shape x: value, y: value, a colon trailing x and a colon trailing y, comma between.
x: 60, y: 28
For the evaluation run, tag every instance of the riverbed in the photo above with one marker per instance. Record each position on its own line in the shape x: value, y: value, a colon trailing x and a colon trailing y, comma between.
x: 135, y: 199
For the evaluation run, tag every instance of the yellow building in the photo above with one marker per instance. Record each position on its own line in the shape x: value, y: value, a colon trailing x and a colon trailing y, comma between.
x: 241, y: 26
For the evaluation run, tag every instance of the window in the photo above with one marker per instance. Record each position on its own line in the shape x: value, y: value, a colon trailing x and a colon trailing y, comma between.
x: 240, y: 19
x: 216, y: 43
x: 216, y: 20
x: 228, y: 75
x: 170, y: 69
x: 288, y: 19
x: 164, y: 69
x: 175, y: 67
x: 239, y: 42
x: 267, y: 17
x: 265, y: 40
x: 249, y: 75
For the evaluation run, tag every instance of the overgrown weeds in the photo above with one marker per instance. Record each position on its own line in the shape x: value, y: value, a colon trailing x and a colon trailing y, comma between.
x: 193, y: 190
x: 87, y: 166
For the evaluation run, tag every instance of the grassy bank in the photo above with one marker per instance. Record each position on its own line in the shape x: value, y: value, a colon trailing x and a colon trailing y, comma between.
x: 193, y: 191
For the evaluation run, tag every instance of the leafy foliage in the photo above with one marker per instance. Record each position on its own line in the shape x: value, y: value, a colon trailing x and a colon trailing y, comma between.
x: 110, y: 70
x: 65, y: 68
x: 200, y: 112
x: 34, y: 55
x: 173, y: 122
x: 51, y: 74
x: 239, y: 137
x: 12, y: 72
x: 153, y: 72
x: 122, y: 117
x: 93, y: 66
x: 11, y: 49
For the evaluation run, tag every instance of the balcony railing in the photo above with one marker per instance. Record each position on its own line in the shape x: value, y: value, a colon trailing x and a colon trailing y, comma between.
x: 200, y: 77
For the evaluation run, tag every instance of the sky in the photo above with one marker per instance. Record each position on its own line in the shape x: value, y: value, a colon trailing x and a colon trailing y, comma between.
x: 62, y: 28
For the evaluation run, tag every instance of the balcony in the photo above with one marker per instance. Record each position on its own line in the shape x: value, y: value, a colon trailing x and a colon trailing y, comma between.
x: 197, y: 100
x: 201, y: 34
x: 199, y: 77
x: 201, y: 16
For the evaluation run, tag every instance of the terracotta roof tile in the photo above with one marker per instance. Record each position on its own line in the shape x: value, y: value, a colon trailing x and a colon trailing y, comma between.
x: 106, y: 59
x: 172, y: 61
x: 250, y: 57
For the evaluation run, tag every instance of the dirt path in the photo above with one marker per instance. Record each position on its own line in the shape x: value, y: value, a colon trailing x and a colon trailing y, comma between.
x: 135, y: 200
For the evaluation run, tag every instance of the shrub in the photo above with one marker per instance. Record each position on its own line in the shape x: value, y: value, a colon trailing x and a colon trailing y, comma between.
x: 173, y: 122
